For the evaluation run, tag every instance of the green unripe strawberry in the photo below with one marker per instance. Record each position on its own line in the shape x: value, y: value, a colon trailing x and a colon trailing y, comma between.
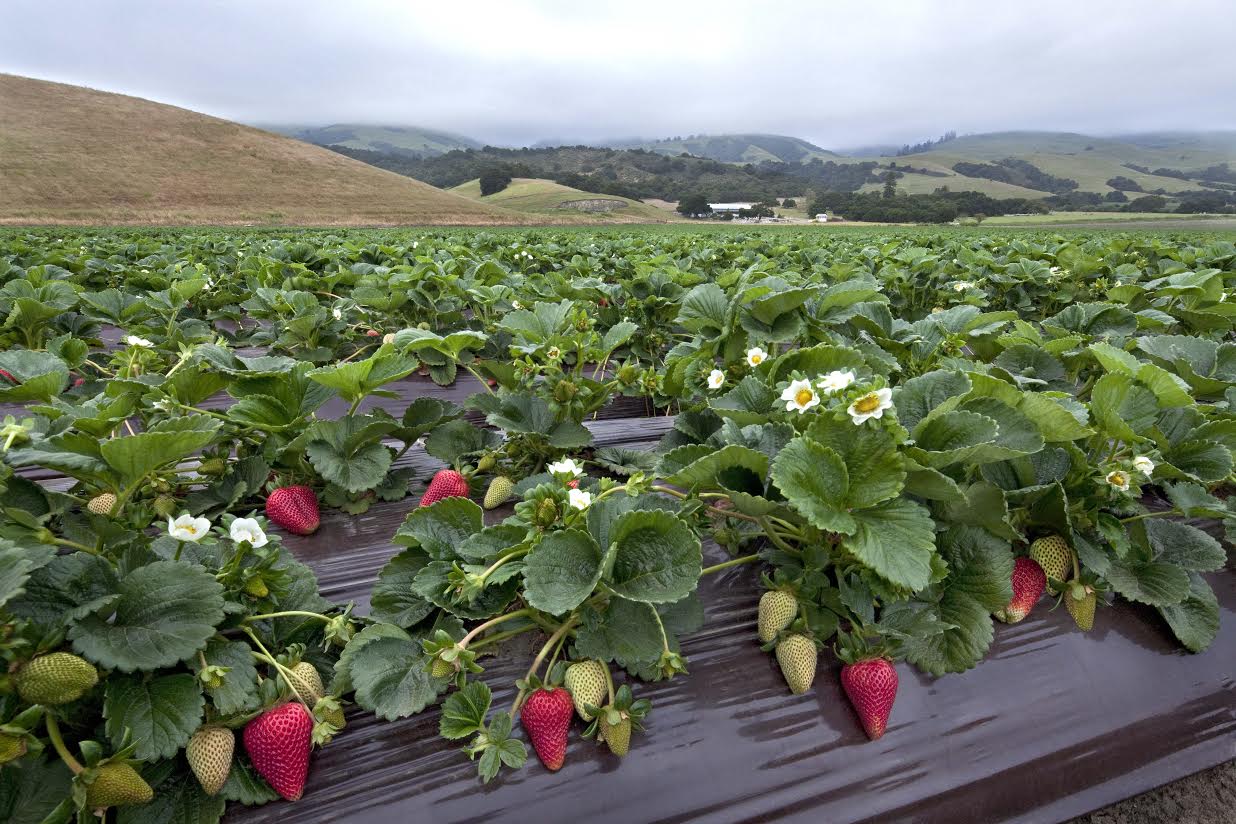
x: 546, y: 512
x: 1080, y: 601
x: 56, y: 678
x: 586, y: 682
x: 618, y: 736
x: 102, y: 504
x: 166, y: 506
x: 440, y: 668
x: 12, y: 747
x: 257, y: 587
x: 1054, y: 556
x: 797, y: 656
x: 212, y: 466
x: 117, y: 785
x: 500, y: 489
x: 209, y: 753
x: 777, y: 611
x: 487, y: 462
x: 308, y: 682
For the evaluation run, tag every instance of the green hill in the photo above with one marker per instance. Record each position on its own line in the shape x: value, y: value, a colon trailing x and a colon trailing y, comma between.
x: 405, y: 140
x: 532, y: 196
x: 69, y: 154
x: 734, y: 148
x: 1088, y: 161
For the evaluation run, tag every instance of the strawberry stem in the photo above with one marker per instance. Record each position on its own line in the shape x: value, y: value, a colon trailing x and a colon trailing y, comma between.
x: 498, y: 637
x: 53, y: 734
x: 540, y: 656
x: 493, y: 622
x: 291, y: 613
x: 283, y: 671
x: 733, y: 562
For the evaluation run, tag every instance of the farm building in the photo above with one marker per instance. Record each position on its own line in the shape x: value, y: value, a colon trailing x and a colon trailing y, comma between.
x: 734, y: 208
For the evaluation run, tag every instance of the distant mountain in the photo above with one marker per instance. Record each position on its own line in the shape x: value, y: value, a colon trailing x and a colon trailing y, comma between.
x: 732, y: 148
x: 410, y: 141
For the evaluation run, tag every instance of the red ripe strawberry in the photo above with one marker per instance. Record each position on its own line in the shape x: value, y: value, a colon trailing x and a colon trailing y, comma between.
x: 546, y: 716
x: 446, y: 483
x: 603, y: 302
x: 871, y: 686
x: 1029, y: 581
x: 492, y: 381
x: 278, y: 742
x: 573, y: 483
x: 295, y: 508
x: 372, y: 333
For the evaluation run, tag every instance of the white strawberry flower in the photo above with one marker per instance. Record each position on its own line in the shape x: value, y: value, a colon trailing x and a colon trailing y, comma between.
x: 247, y: 529
x: 134, y: 340
x: 800, y: 396
x: 389, y: 337
x: 835, y: 381
x: 516, y: 305
x: 716, y: 379
x: 1143, y: 465
x: 579, y: 498
x: 871, y: 405
x: 337, y: 313
x: 567, y: 467
x: 1119, y: 479
x: 756, y: 356
x: 554, y: 353
x: 962, y: 285
x: 188, y: 528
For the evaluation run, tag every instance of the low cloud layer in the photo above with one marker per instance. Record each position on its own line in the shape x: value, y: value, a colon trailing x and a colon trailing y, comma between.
x: 836, y: 72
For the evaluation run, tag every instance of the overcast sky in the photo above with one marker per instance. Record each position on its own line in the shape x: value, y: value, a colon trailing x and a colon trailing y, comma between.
x: 837, y: 72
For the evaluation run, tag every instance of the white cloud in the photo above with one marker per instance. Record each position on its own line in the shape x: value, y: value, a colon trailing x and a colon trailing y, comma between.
x: 838, y: 72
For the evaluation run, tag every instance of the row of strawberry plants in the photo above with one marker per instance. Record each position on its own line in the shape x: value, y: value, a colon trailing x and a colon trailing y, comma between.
x: 888, y: 472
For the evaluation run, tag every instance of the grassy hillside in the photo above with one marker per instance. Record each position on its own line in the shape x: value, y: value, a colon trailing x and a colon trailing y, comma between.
x: 75, y: 155
x: 409, y: 140
x: 1091, y: 161
x: 734, y: 148
x: 532, y: 196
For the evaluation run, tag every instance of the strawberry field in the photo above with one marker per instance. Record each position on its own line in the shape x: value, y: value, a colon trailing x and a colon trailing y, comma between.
x: 454, y: 524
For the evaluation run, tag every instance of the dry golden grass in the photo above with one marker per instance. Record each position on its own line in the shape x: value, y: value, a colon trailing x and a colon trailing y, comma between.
x: 74, y: 155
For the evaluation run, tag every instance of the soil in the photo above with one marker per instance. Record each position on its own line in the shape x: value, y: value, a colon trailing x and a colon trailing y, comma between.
x: 1209, y: 797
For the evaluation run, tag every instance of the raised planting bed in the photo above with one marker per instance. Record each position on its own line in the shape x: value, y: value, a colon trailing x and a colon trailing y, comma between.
x: 939, y: 530
x: 1052, y: 724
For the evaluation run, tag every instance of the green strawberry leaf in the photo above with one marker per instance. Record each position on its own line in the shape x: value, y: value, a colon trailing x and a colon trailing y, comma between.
x: 814, y: 479
x: 1195, y: 620
x: 239, y: 690
x: 244, y: 785
x: 392, y: 599
x: 66, y: 588
x: 896, y: 540
x: 654, y: 557
x: 357, y: 379
x: 32, y: 788
x: 390, y: 677
x: 160, y: 713
x: 441, y: 526
x: 463, y: 712
x: 626, y: 632
x: 1157, y: 583
x: 16, y: 565
x: 455, y: 439
x: 980, y: 572
x: 561, y: 571
x: 165, y: 613
x: 169, y: 441
x: 1185, y: 546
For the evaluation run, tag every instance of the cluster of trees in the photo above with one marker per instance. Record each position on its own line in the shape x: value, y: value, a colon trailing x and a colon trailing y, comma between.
x: 1124, y: 184
x: 939, y: 207
x: 494, y: 179
x: 633, y: 173
x: 696, y: 205
x: 1019, y: 173
x: 927, y: 145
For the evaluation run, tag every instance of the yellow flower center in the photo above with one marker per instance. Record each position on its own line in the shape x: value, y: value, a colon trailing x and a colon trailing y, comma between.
x: 804, y: 397
x: 756, y: 359
x: 867, y: 404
